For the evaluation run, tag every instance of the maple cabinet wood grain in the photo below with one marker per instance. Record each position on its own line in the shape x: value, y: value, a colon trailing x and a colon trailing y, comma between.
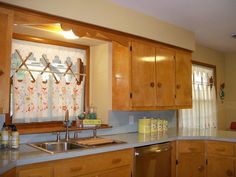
x: 6, y: 26
x: 94, y: 164
x: 191, y: 159
x: 183, y: 79
x: 147, y: 76
x: 220, y: 159
x: 143, y: 75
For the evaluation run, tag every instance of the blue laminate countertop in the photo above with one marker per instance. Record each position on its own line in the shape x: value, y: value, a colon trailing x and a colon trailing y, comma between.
x: 28, y: 155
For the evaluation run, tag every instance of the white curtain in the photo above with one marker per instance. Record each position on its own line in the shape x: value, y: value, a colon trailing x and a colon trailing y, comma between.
x: 203, y: 113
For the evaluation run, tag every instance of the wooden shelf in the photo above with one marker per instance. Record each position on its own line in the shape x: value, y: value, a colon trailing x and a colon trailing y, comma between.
x: 52, y: 129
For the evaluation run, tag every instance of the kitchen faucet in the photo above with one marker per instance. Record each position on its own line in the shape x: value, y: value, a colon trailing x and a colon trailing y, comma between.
x: 67, y: 125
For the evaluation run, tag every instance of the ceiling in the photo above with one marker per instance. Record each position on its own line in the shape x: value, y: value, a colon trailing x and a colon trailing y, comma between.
x: 212, y: 21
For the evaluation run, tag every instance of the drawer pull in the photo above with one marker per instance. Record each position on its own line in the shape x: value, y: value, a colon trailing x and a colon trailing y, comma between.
x: 1, y: 72
x: 229, y: 173
x: 192, y: 149
x: 201, y: 168
x: 75, y: 169
x: 115, y: 161
x: 220, y: 149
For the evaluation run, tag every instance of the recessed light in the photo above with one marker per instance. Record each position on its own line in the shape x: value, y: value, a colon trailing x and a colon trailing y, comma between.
x: 233, y: 35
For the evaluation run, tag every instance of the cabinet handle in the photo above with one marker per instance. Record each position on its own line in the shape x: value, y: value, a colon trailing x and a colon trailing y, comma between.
x: 178, y: 86
x: 201, y: 168
x: 220, y: 149
x: 114, y: 161
x: 159, y: 85
x: 1, y: 72
x: 152, y: 84
x: 229, y: 173
x: 75, y: 169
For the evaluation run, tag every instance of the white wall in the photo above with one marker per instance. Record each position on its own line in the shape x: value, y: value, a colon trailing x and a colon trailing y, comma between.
x: 100, y: 79
x: 105, y: 13
x: 230, y: 88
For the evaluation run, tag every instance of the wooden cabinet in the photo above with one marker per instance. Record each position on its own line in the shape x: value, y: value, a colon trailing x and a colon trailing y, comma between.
x: 149, y: 76
x: 220, y: 159
x: 116, y: 172
x: 103, y: 165
x: 183, y: 79
x: 143, y: 75
x: 6, y: 26
x: 36, y: 170
x: 191, y: 159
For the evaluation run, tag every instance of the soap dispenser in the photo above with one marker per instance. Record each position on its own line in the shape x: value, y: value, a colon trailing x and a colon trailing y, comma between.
x: 5, y: 136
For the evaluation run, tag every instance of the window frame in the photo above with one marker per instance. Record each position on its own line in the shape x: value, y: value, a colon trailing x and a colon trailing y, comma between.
x: 50, y: 126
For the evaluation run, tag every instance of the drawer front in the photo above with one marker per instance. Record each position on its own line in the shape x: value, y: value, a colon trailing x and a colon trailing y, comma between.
x: 191, y: 146
x: 36, y: 172
x: 93, y: 163
x: 220, y: 148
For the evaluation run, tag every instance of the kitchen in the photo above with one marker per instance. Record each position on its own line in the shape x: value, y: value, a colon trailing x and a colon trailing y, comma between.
x: 120, y: 119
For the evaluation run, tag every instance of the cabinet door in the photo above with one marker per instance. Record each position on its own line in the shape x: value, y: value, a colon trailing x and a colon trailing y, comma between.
x: 191, y: 165
x: 6, y: 24
x: 183, y: 79
x: 165, y: 77
x: 143, y: 75
x: 220, y: 167
x: 120, y: 77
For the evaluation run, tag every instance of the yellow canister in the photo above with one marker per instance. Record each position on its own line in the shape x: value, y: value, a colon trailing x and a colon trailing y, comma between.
x: 154, y: 128
x: 159, y: 125
x: 144, y: 125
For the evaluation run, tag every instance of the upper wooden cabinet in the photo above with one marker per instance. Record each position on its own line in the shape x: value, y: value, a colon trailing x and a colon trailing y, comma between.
x: 6, y: 26
x: 148, y: 77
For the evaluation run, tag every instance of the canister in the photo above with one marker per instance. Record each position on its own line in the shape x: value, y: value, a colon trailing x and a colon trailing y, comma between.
x: 144, y: 125
x: 165, y: 125
x: 159, y: 125
x: 154, y: 128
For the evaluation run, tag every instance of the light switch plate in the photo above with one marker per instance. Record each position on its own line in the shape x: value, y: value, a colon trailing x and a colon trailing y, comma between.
x: 131, y: 119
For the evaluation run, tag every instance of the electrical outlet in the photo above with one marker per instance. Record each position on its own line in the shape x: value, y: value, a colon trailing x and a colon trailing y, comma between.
x: 131, y: 119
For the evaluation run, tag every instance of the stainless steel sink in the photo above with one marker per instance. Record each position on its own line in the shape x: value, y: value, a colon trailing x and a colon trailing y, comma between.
x: 56, y: 147
x: 74, y: 144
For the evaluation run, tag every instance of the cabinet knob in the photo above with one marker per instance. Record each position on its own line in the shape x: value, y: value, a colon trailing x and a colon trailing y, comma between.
x: 159, y: 85
x: 152, y: 84
x: 1, y: 72
x: 178, y: 86
x: 201, y: 168
x: 229, y: 173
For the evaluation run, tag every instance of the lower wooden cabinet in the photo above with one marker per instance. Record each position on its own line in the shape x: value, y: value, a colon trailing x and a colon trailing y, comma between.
x: 191, y: 160
x: 220, y: 159
x: 220, y: 167
x: 117, y: 172
x: 109, y: 164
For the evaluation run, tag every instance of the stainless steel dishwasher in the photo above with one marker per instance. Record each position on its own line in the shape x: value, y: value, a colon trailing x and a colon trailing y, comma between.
x: 153, y: 161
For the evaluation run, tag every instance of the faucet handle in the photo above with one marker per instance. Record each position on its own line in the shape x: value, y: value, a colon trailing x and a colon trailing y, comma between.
x: 58, y: 136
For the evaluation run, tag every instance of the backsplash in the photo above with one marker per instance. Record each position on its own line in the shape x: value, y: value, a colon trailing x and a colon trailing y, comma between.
x: 119, y: 120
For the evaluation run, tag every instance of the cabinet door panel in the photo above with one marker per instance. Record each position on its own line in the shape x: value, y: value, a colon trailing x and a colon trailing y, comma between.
x: 6, y: 24
x: 165, y: 77
x: 183, y: 79
x: 191, y: 165
x: 220, y: 167
x: 143, y: 75
x: 120, y: 77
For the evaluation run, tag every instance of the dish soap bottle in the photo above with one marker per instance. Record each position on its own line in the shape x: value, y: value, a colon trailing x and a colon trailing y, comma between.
x: 5, y: 136
x: 14, y: 138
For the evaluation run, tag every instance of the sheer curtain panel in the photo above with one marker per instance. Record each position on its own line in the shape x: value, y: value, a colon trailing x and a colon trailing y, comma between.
x: 203, y: 113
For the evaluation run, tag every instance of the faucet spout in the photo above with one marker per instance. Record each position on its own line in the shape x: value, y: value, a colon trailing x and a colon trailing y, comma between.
x: 67, y: 125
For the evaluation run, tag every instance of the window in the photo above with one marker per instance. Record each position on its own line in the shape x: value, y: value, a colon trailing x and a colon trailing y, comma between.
x: 203, y: 113
x: 46, y: 81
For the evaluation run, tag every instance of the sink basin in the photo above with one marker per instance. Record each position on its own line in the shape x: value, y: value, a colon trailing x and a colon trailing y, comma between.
x: 55, y: 147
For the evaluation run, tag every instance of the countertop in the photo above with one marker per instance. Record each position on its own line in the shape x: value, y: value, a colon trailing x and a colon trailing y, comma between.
x: 28, y: 155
